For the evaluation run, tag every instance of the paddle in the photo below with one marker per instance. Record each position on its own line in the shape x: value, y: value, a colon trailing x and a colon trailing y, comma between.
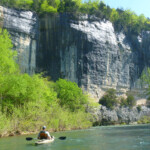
x: 62, y: 138
x: 30, y: 138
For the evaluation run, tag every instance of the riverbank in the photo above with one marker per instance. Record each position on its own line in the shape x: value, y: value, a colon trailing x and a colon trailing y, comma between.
x: 18, y: 133
x: 143, y: 120
x: 126, y: 137
x: 55, y: 118
x: 119, y: 115
x: 29, y: 121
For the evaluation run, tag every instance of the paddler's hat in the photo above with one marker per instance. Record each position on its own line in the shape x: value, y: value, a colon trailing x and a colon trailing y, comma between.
x: 44, y: 127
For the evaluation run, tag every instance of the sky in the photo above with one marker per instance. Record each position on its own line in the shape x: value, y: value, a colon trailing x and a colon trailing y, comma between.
x: 138, y: 6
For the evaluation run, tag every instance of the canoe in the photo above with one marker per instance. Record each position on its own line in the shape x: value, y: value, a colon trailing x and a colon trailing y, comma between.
x: 45, y: 141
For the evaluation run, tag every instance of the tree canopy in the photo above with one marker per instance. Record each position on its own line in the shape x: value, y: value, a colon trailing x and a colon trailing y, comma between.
x: 7, y: 56
x: 125, y: 20
x: 109, y: 99
x: 70, y: 95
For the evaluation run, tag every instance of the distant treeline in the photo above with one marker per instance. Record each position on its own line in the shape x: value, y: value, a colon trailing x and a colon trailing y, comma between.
x: 125, y: 20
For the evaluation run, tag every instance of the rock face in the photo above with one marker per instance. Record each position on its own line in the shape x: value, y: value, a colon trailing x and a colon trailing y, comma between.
x: 83, y: 49
x: 23, y: 28
x: 89, y: 51
x: 126, y: 115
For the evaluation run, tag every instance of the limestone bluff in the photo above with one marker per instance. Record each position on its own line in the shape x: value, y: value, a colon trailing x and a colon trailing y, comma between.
x: 85, y: 49
x: 23, y: 28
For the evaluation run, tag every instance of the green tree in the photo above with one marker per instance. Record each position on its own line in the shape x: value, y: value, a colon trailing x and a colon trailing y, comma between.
x: 123, y: 101
x: 70, y: 95
x: 45, y: 7
x: 90, y: 7
x: 23, y: 4
x: 109, y: 99
x: 36, y: 5
x: 114, y: 15
x: 19, y: 89
x: 69, y: 5
x: 131, y: 100
x: 128, y: 102
x: 147, y: 25
x: 142, y: 19
x: 7, y: 56
x: 146, y: 81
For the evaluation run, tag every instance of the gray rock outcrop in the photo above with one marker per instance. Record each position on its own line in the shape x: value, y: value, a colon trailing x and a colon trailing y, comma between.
x: 103, y: 115
x: 23, y: 28
x: 88, y: 51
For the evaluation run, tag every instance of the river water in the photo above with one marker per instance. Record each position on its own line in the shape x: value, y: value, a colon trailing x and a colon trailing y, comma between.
x: 96, y: 138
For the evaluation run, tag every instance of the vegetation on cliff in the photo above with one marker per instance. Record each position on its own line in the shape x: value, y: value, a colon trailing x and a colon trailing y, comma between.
x: 125, y: 20
x: 144, y: 120
x: 29, y: 102
x: 146, y: 81
x: 110, y: 100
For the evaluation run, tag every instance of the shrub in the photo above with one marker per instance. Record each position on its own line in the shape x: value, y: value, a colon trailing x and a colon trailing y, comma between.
x: 45, y: 7
x: 35, y: 114
x: 109, y: 99
x: 139, y: 108
x: 7, y: 56
x: 70, y: 95
x: 131, y: 101
x: 144, y: 120
x: 128, y: 102
x: 123, y: 101
x: 69, y: 5
x: 4, y: 123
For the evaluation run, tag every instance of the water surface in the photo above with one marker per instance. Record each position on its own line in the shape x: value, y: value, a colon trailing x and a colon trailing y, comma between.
x: 96, y: 138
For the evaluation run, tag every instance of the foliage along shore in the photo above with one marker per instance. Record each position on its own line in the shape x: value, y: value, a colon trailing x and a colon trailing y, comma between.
x: 142, y: 121
x: 29, y: 102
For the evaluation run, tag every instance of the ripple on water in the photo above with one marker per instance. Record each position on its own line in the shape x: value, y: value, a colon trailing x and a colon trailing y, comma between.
x: 96, y: 138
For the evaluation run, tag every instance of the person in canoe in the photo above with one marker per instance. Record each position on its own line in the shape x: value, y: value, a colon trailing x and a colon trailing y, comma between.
x: 44, y: 134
